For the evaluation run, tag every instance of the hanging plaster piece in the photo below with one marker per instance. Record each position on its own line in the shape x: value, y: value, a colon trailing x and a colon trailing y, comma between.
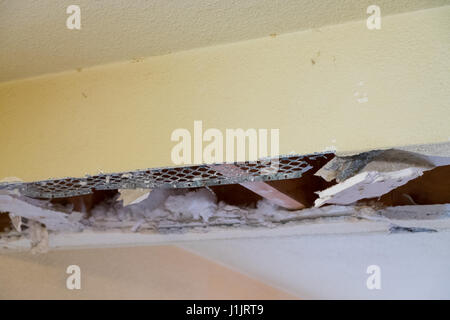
x: 39, y: 237
x: 16, y: 222
x: 364, y: 185
x: 37, y: 211
x: 341, y: 168
x: 133, y: 196
x: 344, y: 167
x: 374, y: 173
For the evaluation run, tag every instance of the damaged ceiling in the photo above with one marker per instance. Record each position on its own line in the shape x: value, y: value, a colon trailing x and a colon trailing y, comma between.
x: 401, y: 190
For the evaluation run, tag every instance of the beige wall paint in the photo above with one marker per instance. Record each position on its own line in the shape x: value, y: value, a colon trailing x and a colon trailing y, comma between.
x: 120, y: 117
x: 154, y: 272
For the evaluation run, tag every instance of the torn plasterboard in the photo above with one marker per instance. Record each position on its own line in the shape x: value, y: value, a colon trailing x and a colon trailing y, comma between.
x: 372, y: 174
x: 366, y: 185
x: 330, y: 219
x: 342, y: 168
x: 35, y: 210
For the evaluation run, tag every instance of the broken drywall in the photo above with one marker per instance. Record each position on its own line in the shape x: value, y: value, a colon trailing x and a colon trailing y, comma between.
x: 41, y: 212
x: 342, y: 168
x: 373, y: 174
x: 167, y: 209
x: 190, y: 212
x: 312, y: 221
x: 367, y: 175
x: 366, y: 185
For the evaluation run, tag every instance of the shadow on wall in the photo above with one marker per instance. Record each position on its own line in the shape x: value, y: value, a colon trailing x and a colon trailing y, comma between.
x: 154, y: 272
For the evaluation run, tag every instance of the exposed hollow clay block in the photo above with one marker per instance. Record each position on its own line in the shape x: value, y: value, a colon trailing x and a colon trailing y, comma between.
x: 366, y: 185
x: 35, y: 210
x: 264, y: 189
x: 133, y: 196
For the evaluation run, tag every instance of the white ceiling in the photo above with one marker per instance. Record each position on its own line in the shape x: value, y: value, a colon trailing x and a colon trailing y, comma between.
x: 34, y: 39
x: 333, y: 266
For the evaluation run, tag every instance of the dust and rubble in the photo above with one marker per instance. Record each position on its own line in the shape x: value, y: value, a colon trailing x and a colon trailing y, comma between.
x: 373, y: 174
x: 361, y: 186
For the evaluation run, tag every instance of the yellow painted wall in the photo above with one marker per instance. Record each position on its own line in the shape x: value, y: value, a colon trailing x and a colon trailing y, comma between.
x: 120, y: 117
x: 153, y: 272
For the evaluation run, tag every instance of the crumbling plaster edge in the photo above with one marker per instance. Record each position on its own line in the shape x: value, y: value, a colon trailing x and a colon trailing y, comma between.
x: 345, y: 225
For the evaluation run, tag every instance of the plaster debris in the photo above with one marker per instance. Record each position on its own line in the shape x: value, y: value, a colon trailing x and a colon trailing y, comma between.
x: 372, y: 174
x: 418, y: 212
x: 16, y: 222
x: 172, y: 211
x: 39, y: 237
x: 168, y: 209
x: 344, y: 167
x: 133, y: 196
x: 341, y: 168
x: 366, y: 175
x: 36, y: 210
x: 136, y: 227
x: 197, y: 204
x: 399, y: 229
x: 366, y: 185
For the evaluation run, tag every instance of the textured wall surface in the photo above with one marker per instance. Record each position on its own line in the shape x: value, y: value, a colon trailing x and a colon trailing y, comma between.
x: 34, y: 38
x: 342, y: 86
